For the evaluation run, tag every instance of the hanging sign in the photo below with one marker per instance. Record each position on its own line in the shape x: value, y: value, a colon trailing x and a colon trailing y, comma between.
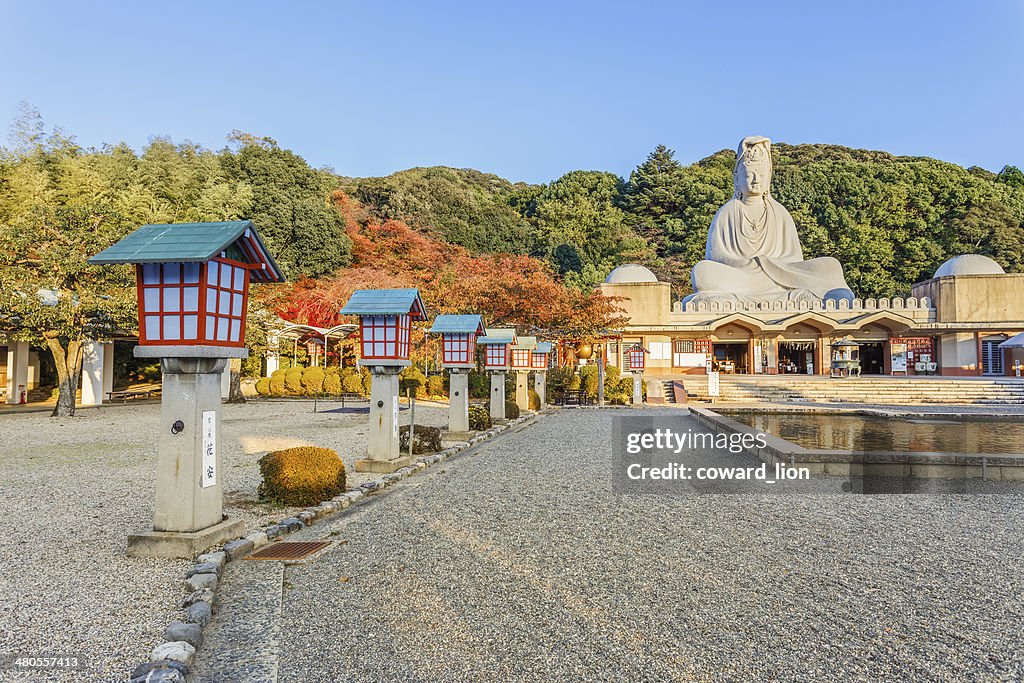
x: 209, y: 476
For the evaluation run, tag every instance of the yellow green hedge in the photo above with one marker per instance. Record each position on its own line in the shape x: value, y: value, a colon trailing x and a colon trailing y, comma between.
x: 305, y: 475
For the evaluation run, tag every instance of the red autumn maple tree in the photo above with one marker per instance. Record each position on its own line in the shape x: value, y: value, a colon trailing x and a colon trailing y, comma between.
x: 509, y: 290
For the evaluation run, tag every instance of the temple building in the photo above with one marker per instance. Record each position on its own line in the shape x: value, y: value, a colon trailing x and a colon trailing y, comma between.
x: 952, y: 324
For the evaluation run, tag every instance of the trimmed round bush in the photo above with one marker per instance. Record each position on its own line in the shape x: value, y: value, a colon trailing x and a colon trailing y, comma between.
x: 534, y: 400
x: 511, y: 410
x: 305, y: 475
x: 425, y: 440
x: 332, y: 384
x: 351, y: 381
x: 479, y: 418
x: 435, y: 385
x: 263, y: 386
x: 313, y: 380
x: 277, y: 386
x: 413, y: 378
x: 278, y: 374
x: 293, y: 381
x: 367, y: 381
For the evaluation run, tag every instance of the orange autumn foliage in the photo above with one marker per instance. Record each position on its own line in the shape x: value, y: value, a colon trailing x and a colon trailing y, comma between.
x: 509, y: 290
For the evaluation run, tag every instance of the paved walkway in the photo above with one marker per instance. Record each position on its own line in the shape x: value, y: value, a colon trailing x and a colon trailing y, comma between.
x: 517, y: 563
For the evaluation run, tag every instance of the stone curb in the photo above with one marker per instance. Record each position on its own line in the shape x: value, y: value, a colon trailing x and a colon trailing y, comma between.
x: 171, y: 659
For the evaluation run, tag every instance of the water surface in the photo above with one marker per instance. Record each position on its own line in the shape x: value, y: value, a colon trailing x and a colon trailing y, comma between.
x: 876, y: 433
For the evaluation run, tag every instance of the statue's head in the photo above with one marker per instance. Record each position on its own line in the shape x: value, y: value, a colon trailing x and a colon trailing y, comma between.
x: 752, y: 175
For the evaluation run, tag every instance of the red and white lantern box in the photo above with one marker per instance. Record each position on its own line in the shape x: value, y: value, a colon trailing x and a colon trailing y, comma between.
x: 458, y: 338
x: 497, y: 347
x: 385, y: 323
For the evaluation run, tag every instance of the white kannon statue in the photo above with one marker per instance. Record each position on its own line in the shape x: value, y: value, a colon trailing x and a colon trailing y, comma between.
x: 753, y: 252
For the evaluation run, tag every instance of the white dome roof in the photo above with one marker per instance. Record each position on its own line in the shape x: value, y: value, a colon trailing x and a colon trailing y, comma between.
x: 969, y: 264
x: 628, y: 273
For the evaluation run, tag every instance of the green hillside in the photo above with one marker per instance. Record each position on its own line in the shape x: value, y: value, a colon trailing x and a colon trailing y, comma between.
x: 891, y: 220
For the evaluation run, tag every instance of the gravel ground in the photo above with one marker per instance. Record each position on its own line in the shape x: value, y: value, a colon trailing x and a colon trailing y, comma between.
x: 75, y: 488
x: 517, y: 563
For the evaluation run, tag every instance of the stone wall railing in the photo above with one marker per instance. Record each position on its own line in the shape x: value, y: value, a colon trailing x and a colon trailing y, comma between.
x: 883, y: 304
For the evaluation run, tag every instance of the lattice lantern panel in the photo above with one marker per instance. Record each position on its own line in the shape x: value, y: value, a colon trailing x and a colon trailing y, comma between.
x: 385, y: 337
x: 192, y: 303
x: 496, y: 356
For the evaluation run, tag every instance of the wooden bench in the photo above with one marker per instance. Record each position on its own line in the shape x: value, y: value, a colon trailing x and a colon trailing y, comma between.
x: 124, y: 396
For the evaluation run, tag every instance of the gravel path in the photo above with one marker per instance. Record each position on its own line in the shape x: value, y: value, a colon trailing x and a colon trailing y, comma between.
x: 517, y: 563
x: 73, y: 491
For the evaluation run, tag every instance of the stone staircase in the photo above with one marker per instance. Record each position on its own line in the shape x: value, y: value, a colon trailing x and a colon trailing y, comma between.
x: 875, y: 390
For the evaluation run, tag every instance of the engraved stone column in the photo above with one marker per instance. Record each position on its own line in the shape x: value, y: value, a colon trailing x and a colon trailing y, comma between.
x: 540, y: 386
x: 382, y: 452
x: 523, y: 389
x: 458, y: 404
x: 188, y: 508
x: 497, y: 394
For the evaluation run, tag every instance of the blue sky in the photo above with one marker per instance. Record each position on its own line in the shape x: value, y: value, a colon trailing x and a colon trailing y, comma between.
x: 527, y: 90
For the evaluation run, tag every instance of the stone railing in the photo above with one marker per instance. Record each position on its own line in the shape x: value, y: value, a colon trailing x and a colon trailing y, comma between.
x: 883, y: 304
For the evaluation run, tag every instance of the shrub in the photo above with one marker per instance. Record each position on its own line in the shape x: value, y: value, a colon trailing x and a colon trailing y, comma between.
x: 313, y: 380
x: 435, y: 385
x: 305, y: 475
x: 413, y: 378
x: 293, y: 381
x: 427, y: 440
x: 511, y: 410
x: 367, y: 381
x: 332, y: 384
x: 351, y: 381
x: 479, y: 384
x: 277, y: 386
x: 574, y: 383
x: 263, y: 386
x: 479, y: 418
x: 534, y: 400
x: 589, y: 379
x: 278, y: 374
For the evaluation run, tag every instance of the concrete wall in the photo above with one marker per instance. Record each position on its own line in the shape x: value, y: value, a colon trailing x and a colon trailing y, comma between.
x: 646, y: 303
x: 975, y: 298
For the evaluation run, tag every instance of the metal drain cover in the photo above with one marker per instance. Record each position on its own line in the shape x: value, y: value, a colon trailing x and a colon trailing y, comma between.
x: 289, y: 550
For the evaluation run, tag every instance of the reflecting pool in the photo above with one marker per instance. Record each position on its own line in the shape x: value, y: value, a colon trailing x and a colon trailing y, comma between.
x: 877, y: 433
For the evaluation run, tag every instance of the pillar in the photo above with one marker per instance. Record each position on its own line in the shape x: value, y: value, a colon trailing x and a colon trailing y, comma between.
x: 17, y: 370
x: 458, y: 401
x: 523, y: 389
x: 497, y: 394
x: 272, y: 362
x: 188, y: 510
x: 540, y: 386
x: 382, y: 440
x: 225, y: 382
x: 638, y: 388
x: 97, y: 371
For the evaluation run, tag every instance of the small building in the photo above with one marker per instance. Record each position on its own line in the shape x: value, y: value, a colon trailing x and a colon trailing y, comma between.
x: 522, y: 353
x: 497, y: 343
x: 539, y: 358
x: 385, y: 323
x: 193, y: 280
x: 458, y: 338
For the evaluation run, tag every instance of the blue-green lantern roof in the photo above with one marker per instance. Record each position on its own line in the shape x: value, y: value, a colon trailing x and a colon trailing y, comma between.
x: 498, y: 335
x: 195, y: 242
x: 458, y: 324
x: 386, y: 302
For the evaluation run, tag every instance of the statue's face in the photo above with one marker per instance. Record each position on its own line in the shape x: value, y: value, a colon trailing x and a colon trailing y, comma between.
x: 754, y: 178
